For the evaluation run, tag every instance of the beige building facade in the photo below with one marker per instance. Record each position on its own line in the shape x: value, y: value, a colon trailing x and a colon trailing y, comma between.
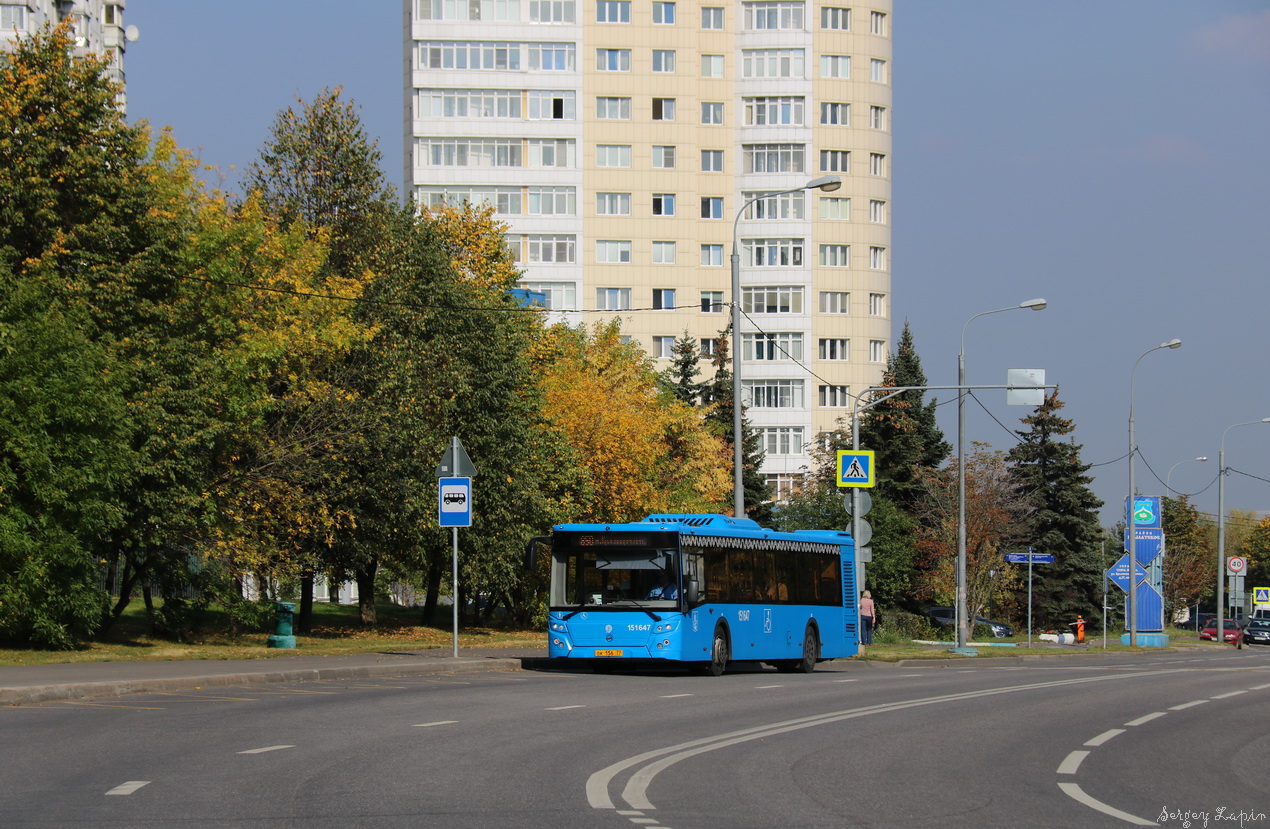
x: 620, y: 141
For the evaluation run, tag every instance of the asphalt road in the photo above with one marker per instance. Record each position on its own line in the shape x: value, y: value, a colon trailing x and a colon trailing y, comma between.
x: 1111, y: 741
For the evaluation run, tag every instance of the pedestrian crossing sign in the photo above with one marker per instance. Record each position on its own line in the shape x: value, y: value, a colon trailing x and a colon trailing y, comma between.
x: 1261, y: 596
x: 855, y: 467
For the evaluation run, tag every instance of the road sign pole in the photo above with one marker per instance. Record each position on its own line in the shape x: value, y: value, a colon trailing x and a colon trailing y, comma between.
x: 1029, y: 597
x: 454, y: 535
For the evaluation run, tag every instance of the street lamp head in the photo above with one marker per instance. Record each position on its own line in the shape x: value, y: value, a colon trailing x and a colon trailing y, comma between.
x: 1037, y: 304
x: 1174, y: 343
x: 1202, y: 459
x: 826, y: 183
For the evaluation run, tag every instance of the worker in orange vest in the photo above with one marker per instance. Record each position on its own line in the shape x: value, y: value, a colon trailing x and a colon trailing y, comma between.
x: 1079, y: 624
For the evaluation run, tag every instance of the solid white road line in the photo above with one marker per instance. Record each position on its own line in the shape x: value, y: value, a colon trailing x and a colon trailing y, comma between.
x: 1076, y: 793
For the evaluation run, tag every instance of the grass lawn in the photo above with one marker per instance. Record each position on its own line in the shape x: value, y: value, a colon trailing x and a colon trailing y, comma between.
x: 337, y: 629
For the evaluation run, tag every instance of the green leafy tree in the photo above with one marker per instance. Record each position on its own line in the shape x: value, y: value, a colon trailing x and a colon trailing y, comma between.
x: 901, y: 431
x: 1189, y: 561
x: 1047, y: 470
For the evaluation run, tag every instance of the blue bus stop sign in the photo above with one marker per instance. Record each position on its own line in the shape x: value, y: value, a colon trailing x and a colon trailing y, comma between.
x: 454, y: 497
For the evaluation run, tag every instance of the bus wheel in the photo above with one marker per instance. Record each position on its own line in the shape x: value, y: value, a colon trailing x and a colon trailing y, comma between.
x: 718, y: 653
x: 811, y: 650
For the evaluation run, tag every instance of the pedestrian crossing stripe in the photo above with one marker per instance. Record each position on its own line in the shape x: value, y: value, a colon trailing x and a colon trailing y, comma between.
x: 1261, y: 595
x: 855, y: 468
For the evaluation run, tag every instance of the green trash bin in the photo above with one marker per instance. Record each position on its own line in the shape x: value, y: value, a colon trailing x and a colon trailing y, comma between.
x: 282, y: 636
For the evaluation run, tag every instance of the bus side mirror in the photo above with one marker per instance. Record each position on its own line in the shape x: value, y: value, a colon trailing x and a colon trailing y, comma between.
x: 692, y: 591
x: 531, y: 551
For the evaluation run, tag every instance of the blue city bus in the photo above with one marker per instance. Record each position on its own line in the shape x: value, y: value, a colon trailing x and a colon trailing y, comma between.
x: 700, y: 590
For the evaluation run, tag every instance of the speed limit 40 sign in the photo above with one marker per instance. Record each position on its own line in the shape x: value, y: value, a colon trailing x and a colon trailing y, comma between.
x: 1236, y: 565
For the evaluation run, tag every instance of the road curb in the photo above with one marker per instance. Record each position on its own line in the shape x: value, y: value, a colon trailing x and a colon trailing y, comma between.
x: 116, y: 688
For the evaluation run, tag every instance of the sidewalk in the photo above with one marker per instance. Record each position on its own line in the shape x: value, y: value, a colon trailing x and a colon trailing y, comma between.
x: 24, y: 684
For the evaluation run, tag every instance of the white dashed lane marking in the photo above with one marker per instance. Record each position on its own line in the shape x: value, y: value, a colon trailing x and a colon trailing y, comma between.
x: 263, y: 750
x: 129, y: 787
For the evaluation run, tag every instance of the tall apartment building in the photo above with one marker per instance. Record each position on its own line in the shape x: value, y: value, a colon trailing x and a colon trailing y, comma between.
x: 97, y: 26
x: 623, y: 141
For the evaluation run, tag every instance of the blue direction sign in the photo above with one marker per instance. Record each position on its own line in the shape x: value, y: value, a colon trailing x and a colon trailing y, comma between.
x: 454, y: 499
x: 1148, y: 543
x: 1150, y: 606
x: 1145, y: 511
x: 855, y: 467
x: 1034, y: 558
x: 1119, y: 573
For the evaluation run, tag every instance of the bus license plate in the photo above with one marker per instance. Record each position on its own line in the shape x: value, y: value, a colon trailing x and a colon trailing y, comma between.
x: 608, y: 653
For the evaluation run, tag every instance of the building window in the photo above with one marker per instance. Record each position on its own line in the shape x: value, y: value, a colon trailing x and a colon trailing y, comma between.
x: 772, y: 253
x: 877, y: 211
x: 663, y: 348
x: 782, y: 440
x: 552, y: 57
x: 663, y: 157
x: 835, y: 256
x: 711, y: 17
x: 835, y: 66
x: 877, y: 351
x: 544, y: 248
x: 709, y: 347
x: 712, y: 112
x: 470, y: 152
x: 712, y: 256
x: 612, y: 155
x: 551, y: 201
x: 612, y: 252
x: 663, y: 298
x: 835, y: 302
x: 877, y: 305
x: 774, y: 14
x: 551, y: 105
x: 711, y: 301
x: 663, y: 109
x: 663, y: 60
x: 785, y: 345
x: 834, y: 17
x: 774, y: 299
x: 877, y: 164
x: 774, y: 111
x: 785, y: 485
x: 835, y: 397
x: 551, y: 152
x: 664, y: 254
x: 877, y: 258
x: 774, y: 158
x: 664, y: 13
x: 835, y: 161
x: 612, y: 299
x: 712, y: 66
x: 561, y: 296
x: 505, y: 200
x: 877, y: 23
x: 877, y: 70
x: 613, y: 204
x: 465, y: 103
x: 613, y: 108
x: 496, y: 56
x: 835, y: 114
x: 835, y: 208
x: 772, y: 394
x: 663, y: 204
x: 613, y: 11
x: 877, y: 117
x: 712, y: 207
x: 835, y: 349
x: 613, y: 60
x: 551, y: 11
x: 775, y: 206
x: 773, y: 63
x: 712, y: 161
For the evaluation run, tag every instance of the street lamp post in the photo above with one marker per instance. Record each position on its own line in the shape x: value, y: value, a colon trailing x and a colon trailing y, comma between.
x: 1133, y: 561
x: 1221, y: 522
x: 828, y: 184
x: 1169, y: 477
x: 962, y: 626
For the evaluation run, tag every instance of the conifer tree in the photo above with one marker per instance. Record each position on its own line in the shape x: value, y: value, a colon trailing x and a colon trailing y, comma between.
x: 718, y: 391
x: 681, y: 376
x: 1049, y: 473
x: 901, y: 431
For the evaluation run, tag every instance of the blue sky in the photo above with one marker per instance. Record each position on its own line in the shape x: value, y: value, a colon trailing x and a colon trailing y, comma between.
x: 1109, y: 157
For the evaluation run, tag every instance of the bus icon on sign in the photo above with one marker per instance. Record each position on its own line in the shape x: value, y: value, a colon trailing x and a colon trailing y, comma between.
x: 454, y: 497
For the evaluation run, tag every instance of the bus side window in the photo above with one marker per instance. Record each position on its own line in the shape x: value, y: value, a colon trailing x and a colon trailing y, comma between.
x: 786, y: 577
x: 716, y: 576
x: 765, y: 575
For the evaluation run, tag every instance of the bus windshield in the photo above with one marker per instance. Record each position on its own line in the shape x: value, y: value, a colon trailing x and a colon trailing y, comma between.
x: 630, y: 571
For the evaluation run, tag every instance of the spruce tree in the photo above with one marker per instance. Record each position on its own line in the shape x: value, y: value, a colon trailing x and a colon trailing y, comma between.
x: 902, y: 431
x: 1049, y: 473
x: 718, y: 391
x: 681, y: 376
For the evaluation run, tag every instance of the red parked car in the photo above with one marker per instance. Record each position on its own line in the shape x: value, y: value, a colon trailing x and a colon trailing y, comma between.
x: 1231, y: 631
